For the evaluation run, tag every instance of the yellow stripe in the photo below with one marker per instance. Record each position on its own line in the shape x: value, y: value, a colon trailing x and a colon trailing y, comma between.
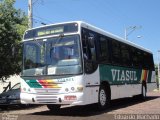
x: 144, y: 75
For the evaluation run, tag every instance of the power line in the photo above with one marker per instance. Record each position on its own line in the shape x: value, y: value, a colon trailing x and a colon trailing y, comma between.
x: 43, y: 19
x: 30, y: 13
x: 36, y: 1
x: 41, y: 22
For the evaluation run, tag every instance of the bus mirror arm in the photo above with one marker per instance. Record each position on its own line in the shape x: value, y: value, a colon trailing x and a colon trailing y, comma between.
x: 91, y: 42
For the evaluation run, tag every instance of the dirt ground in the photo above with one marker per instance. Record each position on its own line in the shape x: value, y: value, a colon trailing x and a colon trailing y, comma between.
x: 131, y: 108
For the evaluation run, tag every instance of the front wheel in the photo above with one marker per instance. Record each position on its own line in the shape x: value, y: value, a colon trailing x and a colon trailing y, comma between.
x: 103, y: 98
x: 4, y: 107
x: 54, y: 108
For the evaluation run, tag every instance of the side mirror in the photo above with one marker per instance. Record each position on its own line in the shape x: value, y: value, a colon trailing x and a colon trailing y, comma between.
x: 91, y: 42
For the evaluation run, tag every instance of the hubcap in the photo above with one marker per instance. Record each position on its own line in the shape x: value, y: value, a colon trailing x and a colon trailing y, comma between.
x: 102, y: 97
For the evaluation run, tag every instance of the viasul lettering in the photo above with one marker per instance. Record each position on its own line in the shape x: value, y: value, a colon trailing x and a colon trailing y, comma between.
x: 123, y: 75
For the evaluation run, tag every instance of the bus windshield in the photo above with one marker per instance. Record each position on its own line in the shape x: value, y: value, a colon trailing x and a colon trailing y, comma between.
x: 52, y: 56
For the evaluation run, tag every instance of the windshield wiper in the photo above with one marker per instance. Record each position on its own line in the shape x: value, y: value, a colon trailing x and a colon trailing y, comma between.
x: 59, y: 38
x: 37, y: 42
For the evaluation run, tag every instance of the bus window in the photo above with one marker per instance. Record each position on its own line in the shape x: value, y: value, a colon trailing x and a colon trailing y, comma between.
x: 91, y: 41
x: 116, y: 52
x: 89, y: 50
x: 88, y: 40
x: 125, y: 57
x: 56, y: 55
x: 30, y: 56
x: 148, y: 61
x: 103, y: 46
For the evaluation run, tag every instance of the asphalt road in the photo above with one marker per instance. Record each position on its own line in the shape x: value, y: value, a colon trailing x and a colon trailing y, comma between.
x: 131, y: 108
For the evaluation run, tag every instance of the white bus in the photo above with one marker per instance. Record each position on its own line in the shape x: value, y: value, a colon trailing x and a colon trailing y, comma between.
x: 75, y: 63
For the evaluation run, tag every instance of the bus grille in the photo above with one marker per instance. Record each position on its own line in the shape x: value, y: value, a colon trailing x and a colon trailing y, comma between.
x: 46, y: 91
x: 46, y: 99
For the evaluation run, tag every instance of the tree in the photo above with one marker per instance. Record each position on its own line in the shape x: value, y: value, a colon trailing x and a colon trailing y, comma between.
x: 13, y: 23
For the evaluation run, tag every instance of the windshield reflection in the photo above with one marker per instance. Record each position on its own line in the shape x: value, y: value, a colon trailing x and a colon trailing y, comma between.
x: 53, y: 56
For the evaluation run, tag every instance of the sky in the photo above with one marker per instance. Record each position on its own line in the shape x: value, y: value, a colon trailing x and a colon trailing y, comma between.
x: 113, y: 16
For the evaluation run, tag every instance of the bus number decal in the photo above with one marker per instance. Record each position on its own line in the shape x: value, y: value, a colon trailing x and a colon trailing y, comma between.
x: 65, y: 79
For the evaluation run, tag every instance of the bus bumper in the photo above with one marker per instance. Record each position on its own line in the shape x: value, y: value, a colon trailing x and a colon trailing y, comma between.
x: 62, y: 99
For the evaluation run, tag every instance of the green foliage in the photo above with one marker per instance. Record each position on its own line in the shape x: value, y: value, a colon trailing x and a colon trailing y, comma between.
x: 13, y: 23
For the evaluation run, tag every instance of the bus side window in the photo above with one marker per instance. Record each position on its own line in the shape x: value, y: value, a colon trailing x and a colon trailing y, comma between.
x: 148, y: 61
x: 134, y: 57
x: 89, y: 51
x: 103, y: 49
x: 85, y: 46
x: 91, y: 46
x: 116, y: 55
x: 125, y: 57
x: 88, y: 40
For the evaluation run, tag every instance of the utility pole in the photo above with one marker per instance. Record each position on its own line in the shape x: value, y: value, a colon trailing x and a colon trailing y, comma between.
x: 158, y: 70
x: 129, y: 30
x: 30, y: 14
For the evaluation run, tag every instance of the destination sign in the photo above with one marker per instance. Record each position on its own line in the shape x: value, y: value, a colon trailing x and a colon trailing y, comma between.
x: 51, y: 30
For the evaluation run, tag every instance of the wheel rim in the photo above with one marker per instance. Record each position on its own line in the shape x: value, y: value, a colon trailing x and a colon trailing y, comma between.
x: 103, y: 97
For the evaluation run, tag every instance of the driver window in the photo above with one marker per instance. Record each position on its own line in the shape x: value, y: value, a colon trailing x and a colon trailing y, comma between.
x: 88, y: 39
x: 89, y: 50
x: 92, y: 46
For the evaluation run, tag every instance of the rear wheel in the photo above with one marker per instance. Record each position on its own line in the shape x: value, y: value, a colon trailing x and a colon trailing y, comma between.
x: 54, y: 108
x: 4, y: 107
x: 103, y: 98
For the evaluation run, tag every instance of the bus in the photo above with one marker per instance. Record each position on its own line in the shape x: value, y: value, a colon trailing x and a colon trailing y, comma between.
x: 75, y: 63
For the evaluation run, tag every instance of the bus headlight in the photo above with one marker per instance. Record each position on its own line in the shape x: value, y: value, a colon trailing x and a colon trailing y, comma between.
x: 29, y: 90
x: 66, y: 89
x: 24, y: 89
x: 74, y: 89
x: 80, y: 88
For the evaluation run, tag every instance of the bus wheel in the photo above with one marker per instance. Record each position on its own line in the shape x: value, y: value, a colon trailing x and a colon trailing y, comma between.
x: 144, y: 92
x: 103, y: 98
x: 54, y: 108
x: 4, y: 107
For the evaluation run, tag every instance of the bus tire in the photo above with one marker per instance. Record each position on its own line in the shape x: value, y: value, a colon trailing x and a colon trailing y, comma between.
x: 103, y: 98
x: 54, y: 108
x: 144, y: 91
x: 4, y: 107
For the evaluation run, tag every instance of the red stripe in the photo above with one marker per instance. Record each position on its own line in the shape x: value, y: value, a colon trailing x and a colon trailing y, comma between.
x: 145, y: 74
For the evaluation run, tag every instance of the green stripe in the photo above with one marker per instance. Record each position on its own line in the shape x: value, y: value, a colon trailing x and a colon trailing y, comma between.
x: 121, y: 75
x: 149, y: 76
x: 33, y: 83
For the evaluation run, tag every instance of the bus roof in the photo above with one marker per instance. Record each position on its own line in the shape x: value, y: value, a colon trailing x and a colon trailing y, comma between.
x: 98, y: 30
